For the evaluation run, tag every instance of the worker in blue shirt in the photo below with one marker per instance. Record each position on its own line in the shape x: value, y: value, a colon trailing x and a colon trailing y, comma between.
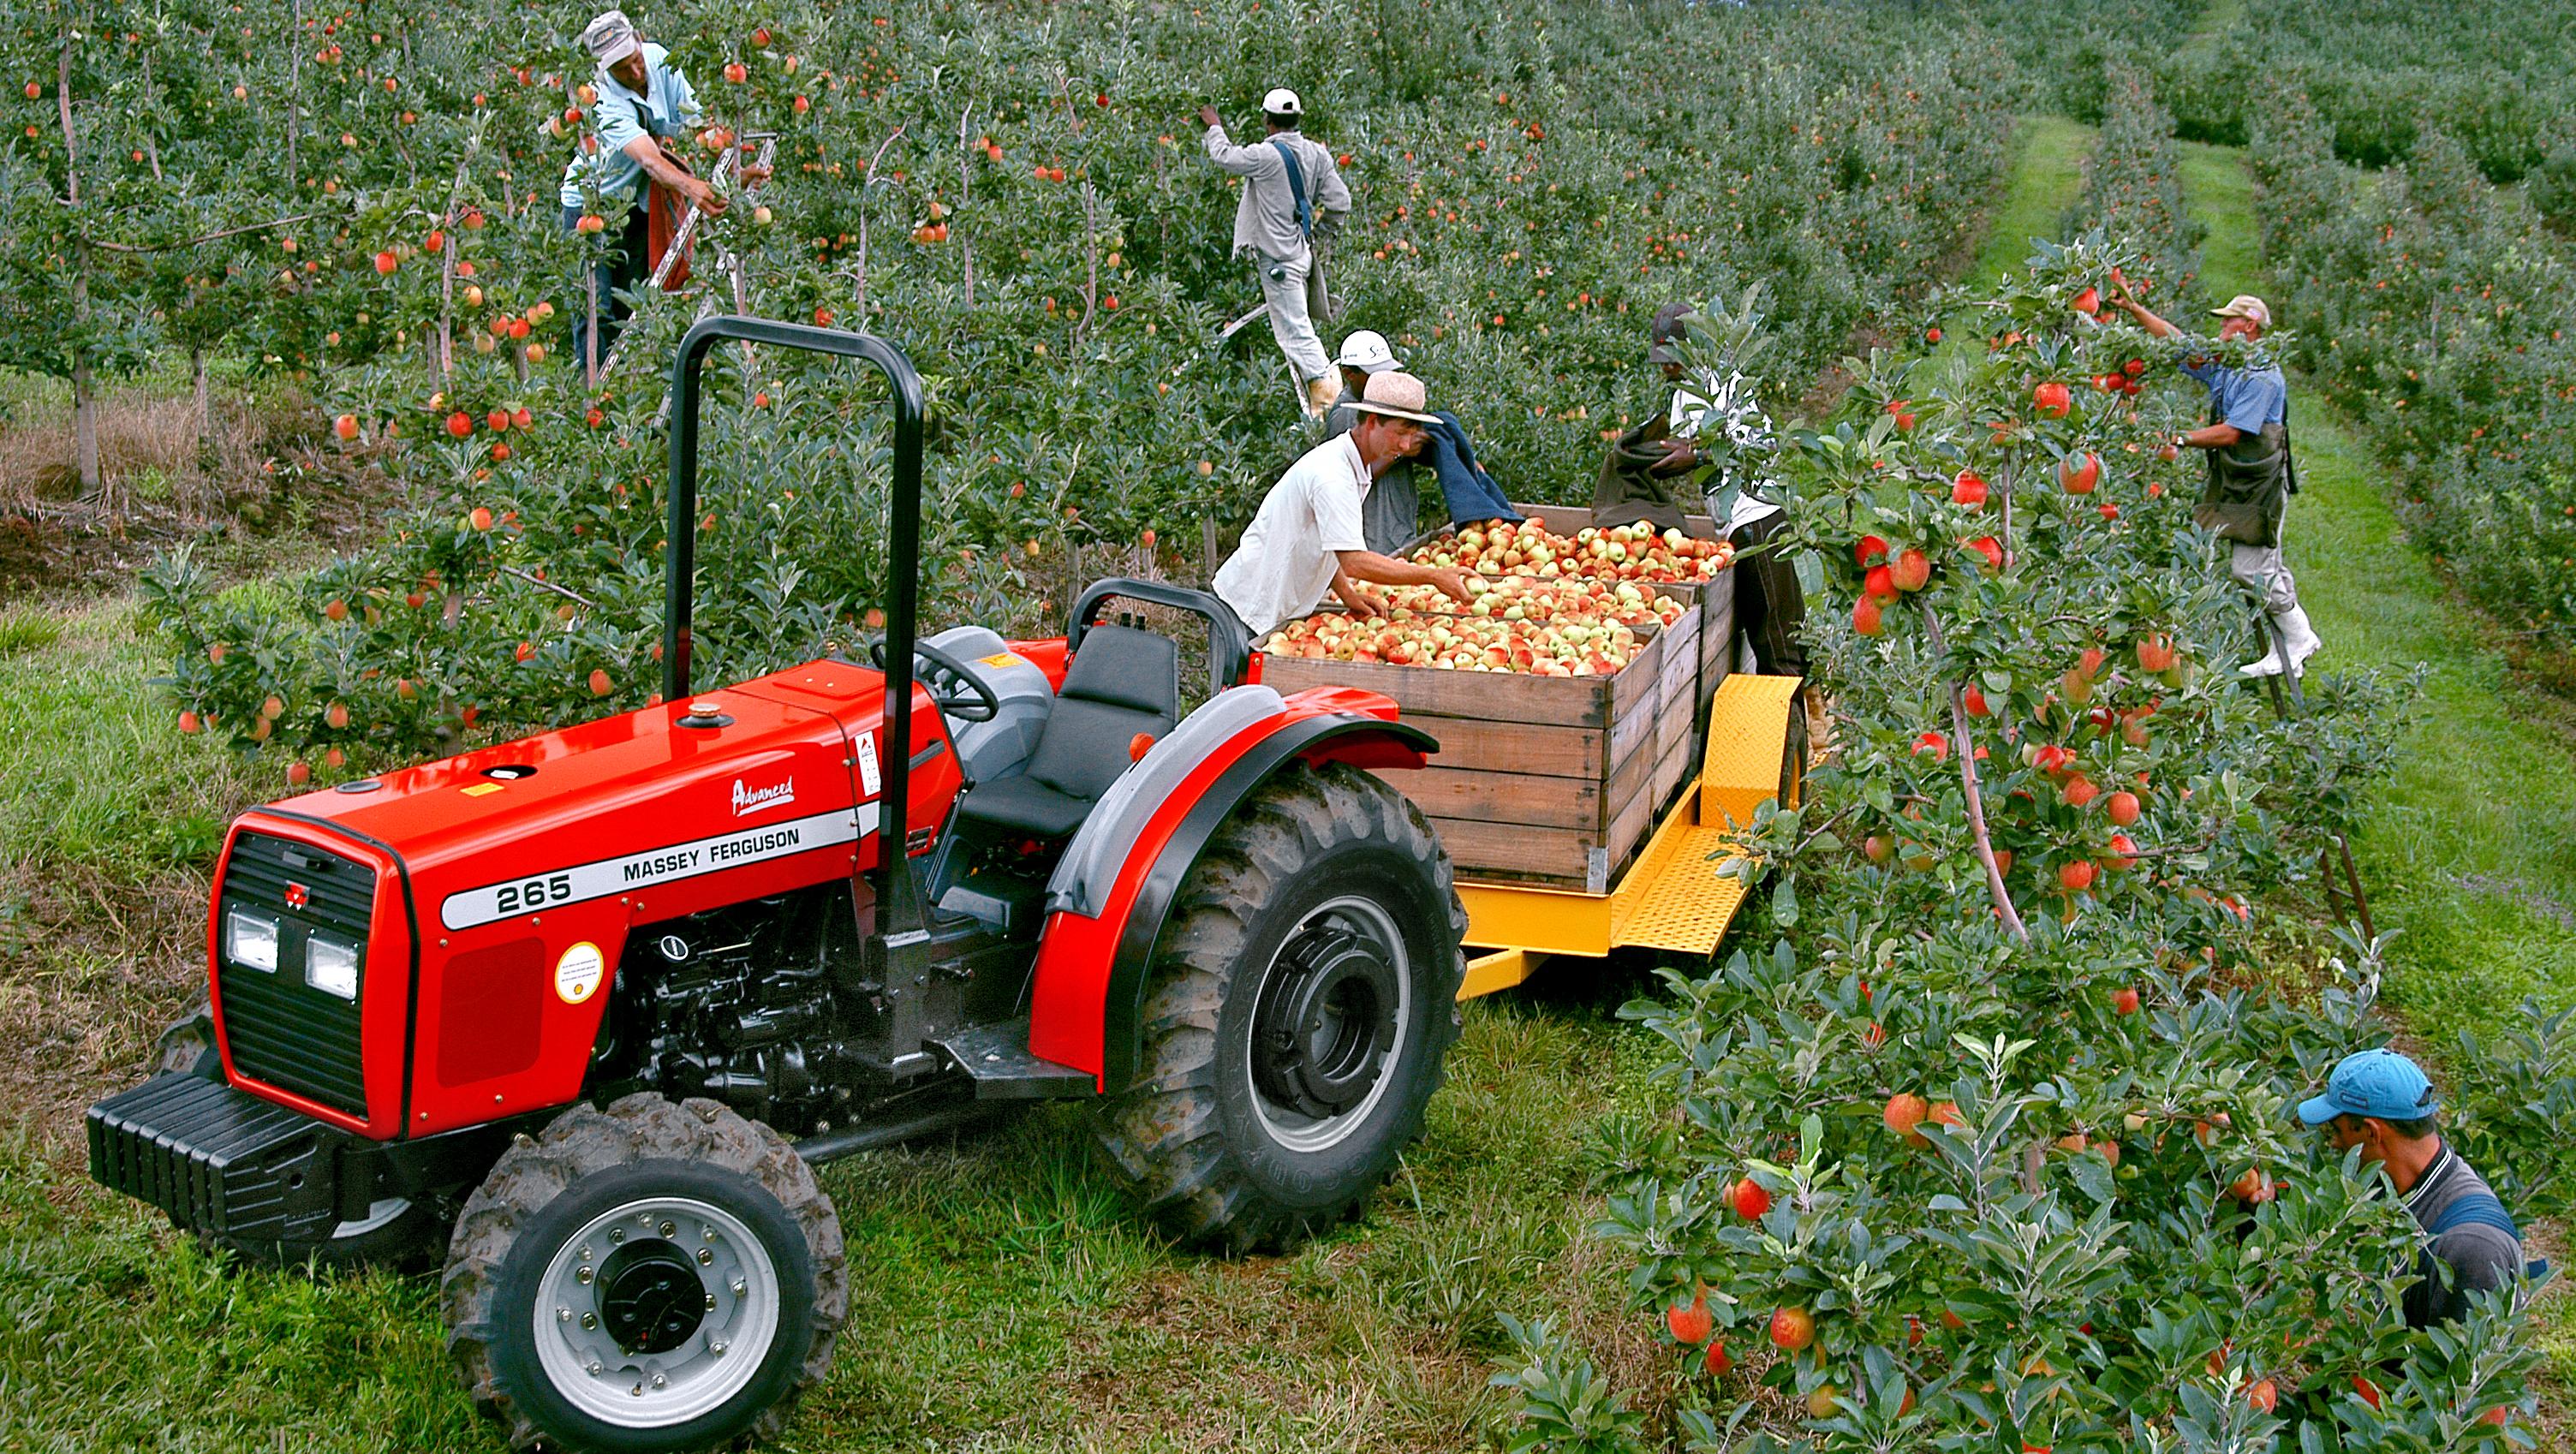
x: 644, y: 107
x: 2383, y: 1103
x: 2251, y: 474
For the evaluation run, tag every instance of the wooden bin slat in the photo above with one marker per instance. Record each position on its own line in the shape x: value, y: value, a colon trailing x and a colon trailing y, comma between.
x: 1549, y: 779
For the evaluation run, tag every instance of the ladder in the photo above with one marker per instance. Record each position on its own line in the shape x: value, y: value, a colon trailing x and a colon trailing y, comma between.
x: 726, y: 261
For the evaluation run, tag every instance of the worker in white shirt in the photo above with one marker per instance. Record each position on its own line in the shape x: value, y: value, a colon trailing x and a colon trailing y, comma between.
x: 1306, y: 540
x: 1293, y: 197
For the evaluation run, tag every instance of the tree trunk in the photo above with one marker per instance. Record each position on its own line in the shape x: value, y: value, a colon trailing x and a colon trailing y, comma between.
x: 85, y: 420
x: 204, y: 394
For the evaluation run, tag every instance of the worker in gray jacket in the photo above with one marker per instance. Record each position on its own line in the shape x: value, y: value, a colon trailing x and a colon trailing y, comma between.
x: 1293, y: 197
x: 2383, y: 1103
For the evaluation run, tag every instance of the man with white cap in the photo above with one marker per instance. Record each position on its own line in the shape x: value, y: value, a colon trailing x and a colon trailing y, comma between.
x: 1293, y: 195
x: 1306, y: 539
x: 644, y: 105
x: 2251, y: 473
x: 1393, y: 512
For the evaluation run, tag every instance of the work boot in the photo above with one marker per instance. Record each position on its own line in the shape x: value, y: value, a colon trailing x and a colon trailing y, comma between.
x: 2296, y: 637
x: 1321, y: 395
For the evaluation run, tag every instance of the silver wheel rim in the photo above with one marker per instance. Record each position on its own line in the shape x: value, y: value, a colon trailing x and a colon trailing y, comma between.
x: 1307, y: 1134
x: 737, y: 1282
x: 380, y: 1213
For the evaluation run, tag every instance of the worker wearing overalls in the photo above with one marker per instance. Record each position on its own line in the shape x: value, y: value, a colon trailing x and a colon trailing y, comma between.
x: 1293, y: 197
x: 2252, y: 474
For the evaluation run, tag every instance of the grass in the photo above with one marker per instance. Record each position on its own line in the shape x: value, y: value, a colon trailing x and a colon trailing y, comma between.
x: 2469, y: 851
x: 2045, y: 177
x: 1004, y: 1297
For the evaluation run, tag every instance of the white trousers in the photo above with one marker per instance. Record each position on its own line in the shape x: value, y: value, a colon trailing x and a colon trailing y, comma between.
x: 1283, y: 288
x: 2263, y: 571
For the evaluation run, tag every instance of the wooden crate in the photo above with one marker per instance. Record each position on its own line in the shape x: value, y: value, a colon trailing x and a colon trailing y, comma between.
x: 1543, y: 780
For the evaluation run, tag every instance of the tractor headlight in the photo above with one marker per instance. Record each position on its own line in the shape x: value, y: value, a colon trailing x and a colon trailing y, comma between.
x: 250, y: 940
x: 331, y: 967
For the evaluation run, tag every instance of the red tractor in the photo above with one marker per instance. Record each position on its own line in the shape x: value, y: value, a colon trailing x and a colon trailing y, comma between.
x: 584, y: 1009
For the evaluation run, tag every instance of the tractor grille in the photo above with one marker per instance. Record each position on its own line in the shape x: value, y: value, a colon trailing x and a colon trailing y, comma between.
x: 280, y: 1029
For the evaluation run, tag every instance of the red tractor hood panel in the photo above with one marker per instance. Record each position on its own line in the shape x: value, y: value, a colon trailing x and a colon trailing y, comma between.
x: 530, y: 862
x: 629, y: 781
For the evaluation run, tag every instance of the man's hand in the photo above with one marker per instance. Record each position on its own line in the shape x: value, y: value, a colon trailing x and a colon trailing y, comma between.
x: 1452, y: 582
x: 1208, y: 117
x: 2120, y: 288
x: 1680, y: 455
x: 1360, y: 599
x: 709, y: 200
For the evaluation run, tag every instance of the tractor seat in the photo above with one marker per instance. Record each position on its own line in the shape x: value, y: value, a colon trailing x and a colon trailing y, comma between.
x: 1121, y: 682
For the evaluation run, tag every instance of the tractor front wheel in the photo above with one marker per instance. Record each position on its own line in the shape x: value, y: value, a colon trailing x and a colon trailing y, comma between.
x: 395, y: 1232
x: 649, y: 1277
x: 1304, y: 994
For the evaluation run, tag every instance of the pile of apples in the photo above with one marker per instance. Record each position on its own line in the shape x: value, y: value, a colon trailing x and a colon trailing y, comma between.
x: 1619, y: 552
x: 1565, y: 647
x: 1535, y: 598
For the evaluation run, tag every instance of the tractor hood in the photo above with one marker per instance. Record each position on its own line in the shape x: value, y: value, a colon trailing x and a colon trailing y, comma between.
x: 777, y: 751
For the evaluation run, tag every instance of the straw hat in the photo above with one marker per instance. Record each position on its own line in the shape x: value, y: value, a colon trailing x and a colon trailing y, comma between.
x: 1397, y: 396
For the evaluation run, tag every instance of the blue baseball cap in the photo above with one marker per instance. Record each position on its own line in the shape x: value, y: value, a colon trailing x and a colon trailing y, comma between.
x: 2379, y: 1083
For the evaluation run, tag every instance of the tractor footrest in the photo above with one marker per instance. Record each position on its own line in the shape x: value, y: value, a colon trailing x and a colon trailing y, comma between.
x: 998, y: 1060
x: 217, y: 1159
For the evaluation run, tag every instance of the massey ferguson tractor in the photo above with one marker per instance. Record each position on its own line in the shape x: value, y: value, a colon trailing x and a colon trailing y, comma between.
x: 583, y: 1010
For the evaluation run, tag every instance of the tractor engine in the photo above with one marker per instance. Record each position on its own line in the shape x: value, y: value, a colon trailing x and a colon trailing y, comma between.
x: 758, y: 1004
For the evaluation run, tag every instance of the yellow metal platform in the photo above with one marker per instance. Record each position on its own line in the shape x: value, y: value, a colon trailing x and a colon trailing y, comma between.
x: 1671, y: 898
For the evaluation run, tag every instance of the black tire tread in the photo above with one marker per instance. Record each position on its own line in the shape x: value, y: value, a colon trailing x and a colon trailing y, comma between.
x: 1164, y: 1132
x: 584, y: 1141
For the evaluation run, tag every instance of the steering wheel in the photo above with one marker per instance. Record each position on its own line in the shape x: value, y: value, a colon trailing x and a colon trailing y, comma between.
x: 946, y: 677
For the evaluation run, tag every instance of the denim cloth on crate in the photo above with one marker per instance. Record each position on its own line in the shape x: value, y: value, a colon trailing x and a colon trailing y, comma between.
x: 1471, y: 493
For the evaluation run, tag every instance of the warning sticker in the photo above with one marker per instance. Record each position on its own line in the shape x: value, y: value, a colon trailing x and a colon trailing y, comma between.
x: 480, y: 790
x: 871, y: 777
x: 1003, y: 659
x: 578, y: 972
x: 554, y: 888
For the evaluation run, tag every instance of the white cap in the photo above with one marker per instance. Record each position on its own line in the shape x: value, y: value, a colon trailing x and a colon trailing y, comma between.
x: 1366, y: 351
x: 2246, y: 305
x: 611, y: 38
x: 1282, y: 102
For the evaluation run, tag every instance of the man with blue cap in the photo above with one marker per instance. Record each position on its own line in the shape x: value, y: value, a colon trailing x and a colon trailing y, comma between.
x: 2380, y: 1101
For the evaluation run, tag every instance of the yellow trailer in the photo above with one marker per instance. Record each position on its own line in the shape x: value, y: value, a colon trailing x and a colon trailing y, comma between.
x: 1671, y: 898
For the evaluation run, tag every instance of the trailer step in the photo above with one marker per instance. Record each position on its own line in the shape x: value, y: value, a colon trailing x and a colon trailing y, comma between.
x: 997, y: 1058
x: 1681, y: 904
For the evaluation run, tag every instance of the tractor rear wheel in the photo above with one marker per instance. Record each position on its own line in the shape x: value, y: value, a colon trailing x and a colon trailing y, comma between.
x: 1304, y: 994
x: 649, y: 1277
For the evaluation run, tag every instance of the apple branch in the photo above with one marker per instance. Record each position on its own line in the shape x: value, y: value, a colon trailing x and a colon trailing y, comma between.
x: 2003, y: 493
x: 1966, y: 749
x: 203, y: 237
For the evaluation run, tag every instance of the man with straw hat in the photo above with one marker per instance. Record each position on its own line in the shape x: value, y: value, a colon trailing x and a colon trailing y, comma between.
x: 1307, y: 540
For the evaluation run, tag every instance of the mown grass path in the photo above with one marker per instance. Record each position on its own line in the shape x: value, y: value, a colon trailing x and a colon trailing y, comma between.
x: 2469, y: 851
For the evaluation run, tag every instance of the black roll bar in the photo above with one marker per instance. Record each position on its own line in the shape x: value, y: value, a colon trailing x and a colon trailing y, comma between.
x: 898, y: 890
